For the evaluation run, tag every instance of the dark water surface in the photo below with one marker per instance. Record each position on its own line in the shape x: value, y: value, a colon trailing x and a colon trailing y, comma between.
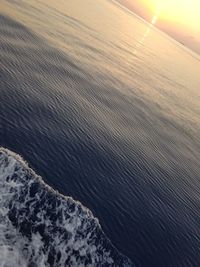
x: 106, y: 110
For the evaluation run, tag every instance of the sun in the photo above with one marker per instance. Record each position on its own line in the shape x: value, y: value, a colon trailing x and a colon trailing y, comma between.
x: 175, y: 10
x: 154, y: 19
x: 155, y: 16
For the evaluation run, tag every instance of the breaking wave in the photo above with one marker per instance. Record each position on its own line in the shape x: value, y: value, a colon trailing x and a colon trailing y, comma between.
x: 40, y: 227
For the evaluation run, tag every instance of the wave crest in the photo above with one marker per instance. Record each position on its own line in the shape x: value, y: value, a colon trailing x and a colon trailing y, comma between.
x: 40, y: 227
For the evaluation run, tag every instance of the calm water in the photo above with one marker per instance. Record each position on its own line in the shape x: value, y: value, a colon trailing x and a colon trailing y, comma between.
x: 107, y: 110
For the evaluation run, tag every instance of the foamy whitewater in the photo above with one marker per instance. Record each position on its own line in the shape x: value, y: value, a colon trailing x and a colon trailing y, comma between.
x: 40, y: 227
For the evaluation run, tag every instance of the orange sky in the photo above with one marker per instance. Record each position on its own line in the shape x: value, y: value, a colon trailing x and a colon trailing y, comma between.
x: 178, y: 18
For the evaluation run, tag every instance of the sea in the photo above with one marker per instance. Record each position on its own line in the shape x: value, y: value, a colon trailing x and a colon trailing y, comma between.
x: 99, y: 137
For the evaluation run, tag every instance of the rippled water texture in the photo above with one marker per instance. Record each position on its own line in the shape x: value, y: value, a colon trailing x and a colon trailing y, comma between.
x: 106, y: 110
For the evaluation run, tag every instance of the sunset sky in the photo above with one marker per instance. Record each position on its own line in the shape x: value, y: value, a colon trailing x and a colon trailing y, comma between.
x: 178, y: 18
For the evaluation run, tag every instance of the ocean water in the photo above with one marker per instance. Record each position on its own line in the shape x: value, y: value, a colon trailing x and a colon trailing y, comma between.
x: 105, y: 110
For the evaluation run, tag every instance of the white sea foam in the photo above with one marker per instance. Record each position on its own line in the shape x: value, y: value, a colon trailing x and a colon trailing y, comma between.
x: 40, y: 227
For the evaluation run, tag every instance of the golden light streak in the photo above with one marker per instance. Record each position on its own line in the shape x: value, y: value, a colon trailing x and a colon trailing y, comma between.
x: 147, y: 32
